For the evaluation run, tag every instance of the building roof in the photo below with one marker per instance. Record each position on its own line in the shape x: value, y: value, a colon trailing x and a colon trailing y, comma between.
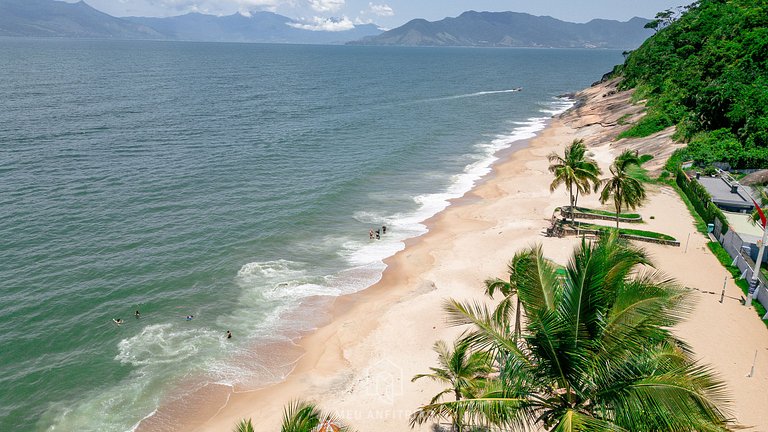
x: 723, y: 195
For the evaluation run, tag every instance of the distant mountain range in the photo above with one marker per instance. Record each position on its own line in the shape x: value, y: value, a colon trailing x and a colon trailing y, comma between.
x: 511, y: 29
x: 49, y: 18
x: 263, y: 27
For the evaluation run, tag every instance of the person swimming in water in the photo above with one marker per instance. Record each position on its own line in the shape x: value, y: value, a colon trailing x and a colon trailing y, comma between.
x: 118, y: 321
x: 137, y: 314
x: 229, y: 334
x: 189, y: 317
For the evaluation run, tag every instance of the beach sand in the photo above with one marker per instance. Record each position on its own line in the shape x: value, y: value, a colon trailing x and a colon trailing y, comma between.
x: 360, y: 364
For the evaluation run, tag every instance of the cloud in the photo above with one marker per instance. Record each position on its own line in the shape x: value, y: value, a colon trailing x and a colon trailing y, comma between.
x: 382, y: 10
x: 326, y: 5
x: 217, y: 7
x: 324, y: 24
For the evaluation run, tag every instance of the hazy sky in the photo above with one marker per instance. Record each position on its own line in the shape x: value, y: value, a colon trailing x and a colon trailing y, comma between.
x: 388, y: 13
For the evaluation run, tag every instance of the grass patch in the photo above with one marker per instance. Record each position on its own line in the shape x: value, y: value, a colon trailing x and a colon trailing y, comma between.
x: 651, y: 123
x: 629, y: 231
x: 607, y: 213
x: 649, y: 234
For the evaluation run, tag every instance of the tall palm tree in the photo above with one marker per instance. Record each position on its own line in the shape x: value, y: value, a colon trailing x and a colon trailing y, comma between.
x: 575, y: 170
x: 626, y: 191
x: 461, y: 369
x: 596, y: 352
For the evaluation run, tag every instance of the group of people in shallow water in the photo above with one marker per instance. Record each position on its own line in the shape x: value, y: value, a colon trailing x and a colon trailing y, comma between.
x: 137, y: 314
x: 378, y: 233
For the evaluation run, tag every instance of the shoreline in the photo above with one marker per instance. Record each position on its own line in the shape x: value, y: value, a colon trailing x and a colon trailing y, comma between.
x: 207, y: 399
x: 360, y: 368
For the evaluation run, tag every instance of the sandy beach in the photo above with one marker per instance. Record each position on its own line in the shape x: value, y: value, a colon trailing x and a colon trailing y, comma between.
x: 360, y: 363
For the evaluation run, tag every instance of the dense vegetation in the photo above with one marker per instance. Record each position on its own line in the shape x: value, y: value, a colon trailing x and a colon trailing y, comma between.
x: 706, y: 71
x: 593, y: 352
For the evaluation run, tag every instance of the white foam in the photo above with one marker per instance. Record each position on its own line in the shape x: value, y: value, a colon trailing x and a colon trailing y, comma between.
x: 558, y: 106
x: 475, y: 94
x: 162, y: 344
x: 404, y: 226
x: 279, y: 269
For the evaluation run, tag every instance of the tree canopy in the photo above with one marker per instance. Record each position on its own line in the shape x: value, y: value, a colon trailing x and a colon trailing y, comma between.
x: 706, y: 71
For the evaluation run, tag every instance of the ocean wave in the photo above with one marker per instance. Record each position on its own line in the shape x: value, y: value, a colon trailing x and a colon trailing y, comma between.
x: 163, y: 344
x: 278, y: 269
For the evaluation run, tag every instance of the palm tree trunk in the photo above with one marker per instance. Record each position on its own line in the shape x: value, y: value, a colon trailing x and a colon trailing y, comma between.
x: 617, y: 200
x: 457, y: 415
x: 576, y: 200
x: 518, y: 329
x: 570, y: 195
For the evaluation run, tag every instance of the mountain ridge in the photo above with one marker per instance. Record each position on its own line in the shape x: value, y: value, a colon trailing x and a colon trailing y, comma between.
x: 49, y: 18
x: 514, y: 29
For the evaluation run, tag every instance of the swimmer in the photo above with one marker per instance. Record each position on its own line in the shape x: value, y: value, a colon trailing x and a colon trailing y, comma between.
x: 137, y: 314
x: 117, y: 321
x: 189, y: 317
x: 229, y: 334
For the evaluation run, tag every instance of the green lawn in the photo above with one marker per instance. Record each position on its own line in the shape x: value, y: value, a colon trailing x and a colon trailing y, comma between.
x: 640, y: 233
x: 607, y: 213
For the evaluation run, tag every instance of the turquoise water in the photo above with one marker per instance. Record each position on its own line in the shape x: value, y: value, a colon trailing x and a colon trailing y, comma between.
x: 230, y: 182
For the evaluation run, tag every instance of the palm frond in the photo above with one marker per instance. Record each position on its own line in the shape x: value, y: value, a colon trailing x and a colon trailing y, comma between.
x: 244, y: 426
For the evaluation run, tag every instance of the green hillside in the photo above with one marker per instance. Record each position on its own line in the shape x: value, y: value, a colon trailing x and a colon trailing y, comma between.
x: 706, y: 71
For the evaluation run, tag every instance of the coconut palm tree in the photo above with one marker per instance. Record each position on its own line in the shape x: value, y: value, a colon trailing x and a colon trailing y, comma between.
x: 461, y: 369
x: 595, y: 355
x: 300, y: 416
x: 244, y: 426
x: 508, y: 288
x: 626, y: 191
x: 574, y: 170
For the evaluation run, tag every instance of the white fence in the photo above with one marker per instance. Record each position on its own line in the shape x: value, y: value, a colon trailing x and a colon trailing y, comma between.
x: 740, y: 252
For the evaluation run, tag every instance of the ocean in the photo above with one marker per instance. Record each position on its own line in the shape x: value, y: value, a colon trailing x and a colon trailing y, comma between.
x: 233, y: 183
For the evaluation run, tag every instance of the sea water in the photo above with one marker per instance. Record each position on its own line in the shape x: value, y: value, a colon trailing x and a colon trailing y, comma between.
x: 229, y: 182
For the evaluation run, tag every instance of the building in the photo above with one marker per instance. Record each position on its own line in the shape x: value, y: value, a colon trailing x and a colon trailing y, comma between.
x: 727, y: 193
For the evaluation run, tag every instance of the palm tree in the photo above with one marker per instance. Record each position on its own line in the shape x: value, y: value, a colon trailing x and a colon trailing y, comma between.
x: 596, y: 352
x: 300, y: 416
x: 244, y: 426
x: 461, y: 369
x: 508, y: 288
x: 626, y: 190
x: 575, y: 170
